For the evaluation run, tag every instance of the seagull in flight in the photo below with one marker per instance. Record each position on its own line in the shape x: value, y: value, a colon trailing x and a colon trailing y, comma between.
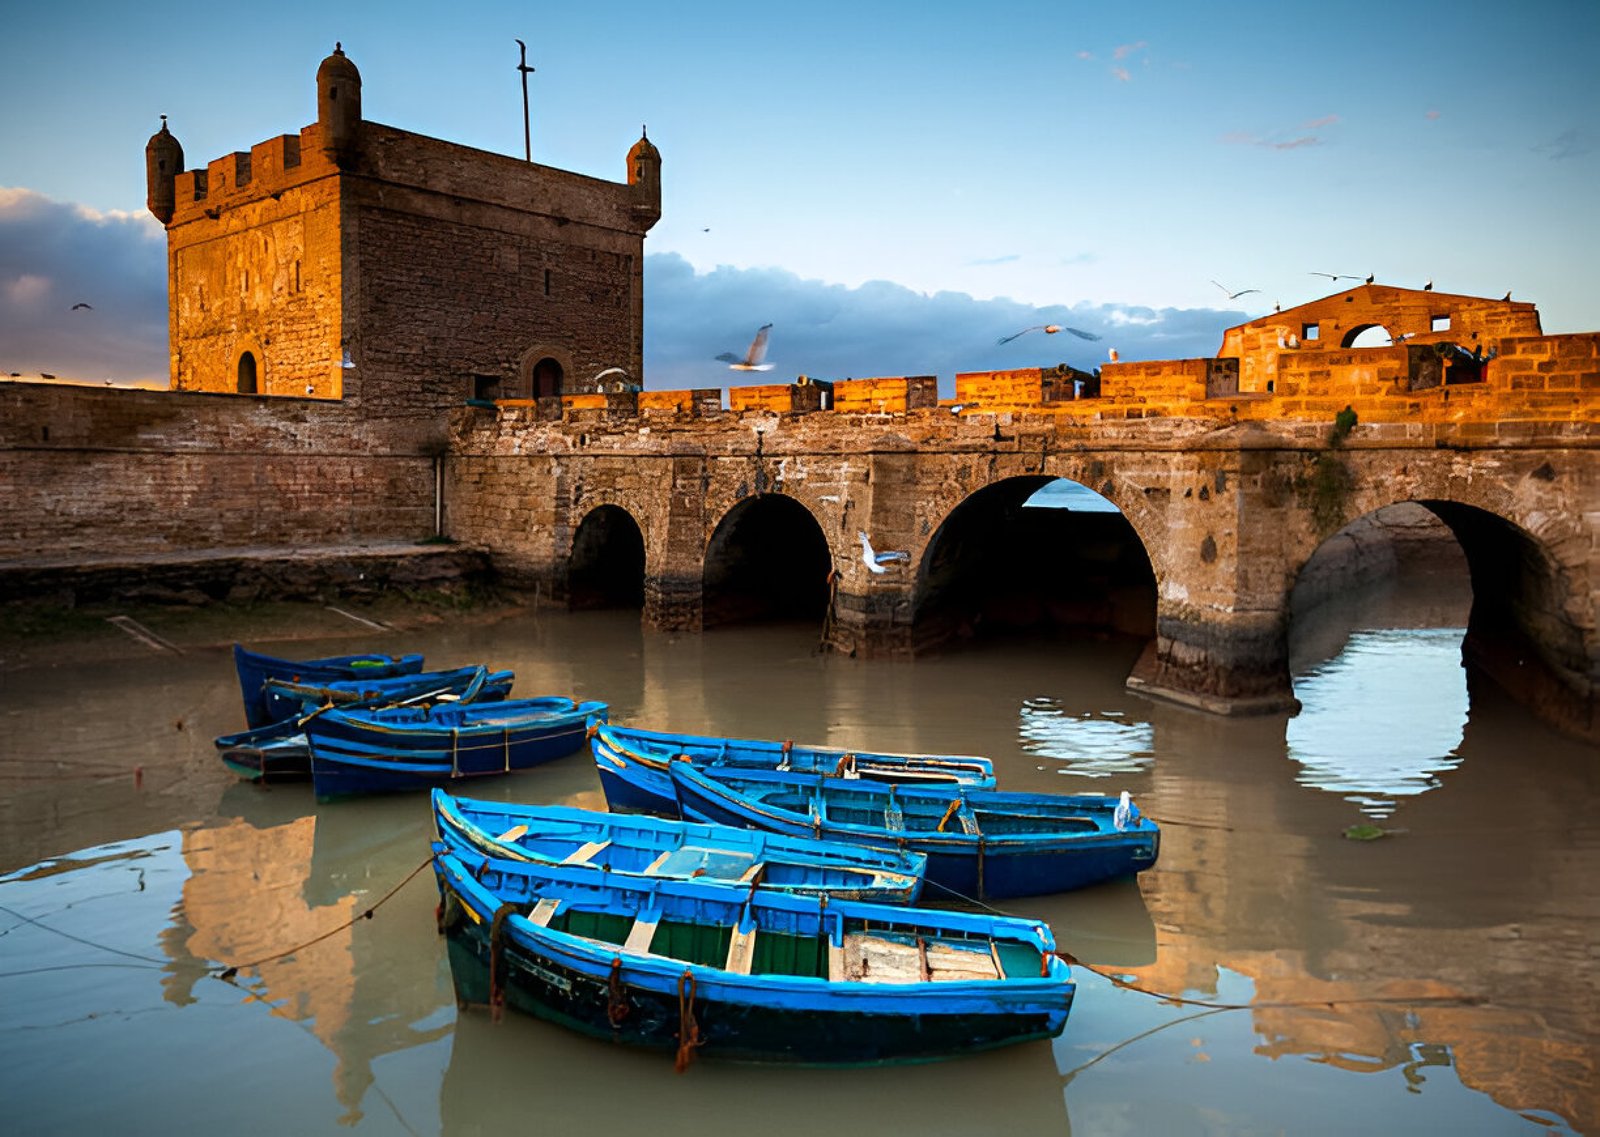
x: 752, y: 360
x: 81, y: 304
x: 1234, y: 295
x: 875, y: 562
x: 1050, y: 330
x: 1337, y: 276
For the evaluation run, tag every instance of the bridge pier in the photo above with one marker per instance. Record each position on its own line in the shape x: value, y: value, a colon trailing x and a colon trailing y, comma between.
x: 1225, y: 663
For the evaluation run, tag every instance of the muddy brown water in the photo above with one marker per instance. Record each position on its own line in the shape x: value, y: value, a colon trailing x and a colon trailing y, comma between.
x: 1439, y: 978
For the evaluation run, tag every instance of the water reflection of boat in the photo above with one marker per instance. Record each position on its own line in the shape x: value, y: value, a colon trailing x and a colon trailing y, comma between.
x: 574, y: 1082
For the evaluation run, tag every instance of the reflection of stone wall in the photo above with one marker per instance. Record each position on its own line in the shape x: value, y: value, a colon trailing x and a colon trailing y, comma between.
x: 1488, y: 915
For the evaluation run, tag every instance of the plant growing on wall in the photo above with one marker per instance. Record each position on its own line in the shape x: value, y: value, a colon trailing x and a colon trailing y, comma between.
x: 1324, y: 489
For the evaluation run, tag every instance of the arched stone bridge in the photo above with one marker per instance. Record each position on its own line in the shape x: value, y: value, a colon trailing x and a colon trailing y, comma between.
x: 705, y: 514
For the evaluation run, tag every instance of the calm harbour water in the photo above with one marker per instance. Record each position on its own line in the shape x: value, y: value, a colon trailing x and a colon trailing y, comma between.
x: 1443, y: 978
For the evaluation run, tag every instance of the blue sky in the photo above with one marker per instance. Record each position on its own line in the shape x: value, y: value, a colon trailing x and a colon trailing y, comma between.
x: 892, y: 185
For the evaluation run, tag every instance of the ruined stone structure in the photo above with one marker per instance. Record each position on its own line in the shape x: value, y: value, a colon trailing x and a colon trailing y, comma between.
x: 400, y: 273
x: 422, y: 327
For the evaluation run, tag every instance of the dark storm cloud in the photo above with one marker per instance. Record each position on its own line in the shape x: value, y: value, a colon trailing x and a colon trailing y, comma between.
x: 54, y: 256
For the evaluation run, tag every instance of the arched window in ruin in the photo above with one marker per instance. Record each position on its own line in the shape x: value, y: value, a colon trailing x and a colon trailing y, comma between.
x: 1368, y: 335
x: 247, y: 374
x: 547, y: 378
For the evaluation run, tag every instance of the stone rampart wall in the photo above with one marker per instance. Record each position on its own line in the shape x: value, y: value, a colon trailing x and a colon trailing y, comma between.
x: 91, y: 474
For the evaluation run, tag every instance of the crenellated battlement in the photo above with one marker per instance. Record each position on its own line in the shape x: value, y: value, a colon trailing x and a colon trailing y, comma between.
x: 267, y: 170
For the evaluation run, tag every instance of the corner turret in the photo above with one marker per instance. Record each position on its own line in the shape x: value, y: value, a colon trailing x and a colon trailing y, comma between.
x: 339, y: 106
x: 163, y: 162
x: 644, y: 182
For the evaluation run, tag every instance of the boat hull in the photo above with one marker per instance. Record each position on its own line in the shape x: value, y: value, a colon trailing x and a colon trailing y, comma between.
x: 658, y: 848
x: 254, y: 669
x: 1029, y: 860
x: 632, y: 765
x: 637, y: 997
x: 388, y: 751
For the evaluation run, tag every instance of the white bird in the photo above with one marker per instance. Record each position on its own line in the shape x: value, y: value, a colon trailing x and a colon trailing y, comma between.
x: 1234, y: 295
x: 1126, y: 812
x: 347, y: 363
x: 876, y: 561
x: 1050, y: 330
x: 752, y: 360
x: 1112, y: 355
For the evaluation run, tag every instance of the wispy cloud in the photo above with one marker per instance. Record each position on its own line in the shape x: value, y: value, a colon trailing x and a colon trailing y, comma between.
x: 1127, y: 49
x: 1008, y: 258
x: 1121, y: 73
x: 1284, y: 140
x: 1431, y: 115
x: 1574, y: 143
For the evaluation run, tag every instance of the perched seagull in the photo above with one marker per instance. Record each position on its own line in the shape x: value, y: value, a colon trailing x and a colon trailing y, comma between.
x: 1428, y: 287
x: 1112, y: 355
x: 1125, y: 814
x: 752, y: 358
x: 1235, y: 295
x: 876, y: 561
x: 1506, y: 297
x: 1050, y: 330
x: 81, y: 304
x: 347, y: 363
x: 1371, y: 276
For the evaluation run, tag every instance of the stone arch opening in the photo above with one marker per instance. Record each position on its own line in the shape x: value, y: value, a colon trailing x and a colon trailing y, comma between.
x: 247, y: 376
x: 1367, y: 335
x: 542, y: 372
x: 1521, y: 630
x: 1032, y: 554
x: 767, y: 561
x: 606, y: 568
x: 1376, y: 621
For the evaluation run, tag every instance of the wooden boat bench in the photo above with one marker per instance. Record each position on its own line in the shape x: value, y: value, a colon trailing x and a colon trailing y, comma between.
x: 585, y: 854
x: 865, y: 957
x: 741, y: 950
x: 642, y: 932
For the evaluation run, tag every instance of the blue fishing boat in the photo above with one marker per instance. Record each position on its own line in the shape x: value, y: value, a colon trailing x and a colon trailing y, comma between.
x: 750, y: 975
x: 279, y: 751
x: 403, y: 748
x: 652, y: 847
x: 633, y: 764
x: 980, y: 844
x: 254, y: 669
x: 288, y: 698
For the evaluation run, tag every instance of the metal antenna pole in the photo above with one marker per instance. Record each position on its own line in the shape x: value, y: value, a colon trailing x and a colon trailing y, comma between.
x: 527, y: 142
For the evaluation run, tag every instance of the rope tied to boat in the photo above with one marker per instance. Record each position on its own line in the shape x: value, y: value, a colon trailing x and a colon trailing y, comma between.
x: 228, y: 973
x: 617, y: 1006
x: 688, y: 1029
x: 846, y: 767
x: 497, y: 960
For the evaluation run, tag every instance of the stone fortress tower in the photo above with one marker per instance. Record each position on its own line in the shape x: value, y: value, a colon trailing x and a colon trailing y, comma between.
x: 397, y: 272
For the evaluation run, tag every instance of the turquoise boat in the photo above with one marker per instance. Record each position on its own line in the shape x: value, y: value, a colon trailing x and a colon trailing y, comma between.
x: 654, y: 847
x: 632, y: 764
x: 694, y: 968
x: 980, y: 844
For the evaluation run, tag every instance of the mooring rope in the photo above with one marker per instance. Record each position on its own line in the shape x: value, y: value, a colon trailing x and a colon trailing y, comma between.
x: 229, y: 972
x: 688, y: 1028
